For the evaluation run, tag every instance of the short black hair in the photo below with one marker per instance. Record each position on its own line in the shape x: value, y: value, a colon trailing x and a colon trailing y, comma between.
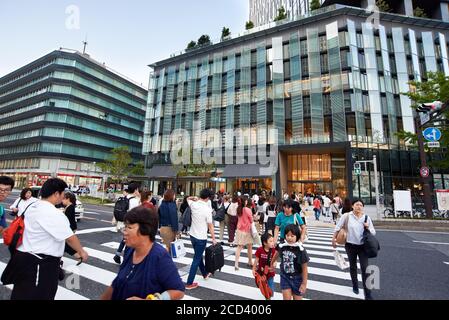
x: 132, y: 187
x: 294, y: 229
x: 7, y: 181
x: 71, y: 196
x: 265, y: 237
x: 206, y: 194
x: 288, y: 203
x: 147, y: 219
x: 358, y: 200
x: 24, y: 192
x: 51, y: 186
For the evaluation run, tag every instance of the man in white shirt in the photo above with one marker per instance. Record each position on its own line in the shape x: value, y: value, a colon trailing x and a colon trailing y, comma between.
x: 35, y: 267
x: 201, y: 222
x: 133, y: 195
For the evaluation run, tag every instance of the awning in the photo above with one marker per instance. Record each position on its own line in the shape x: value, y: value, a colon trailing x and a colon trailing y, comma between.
x: 246, y: 171
x: 161, y: 172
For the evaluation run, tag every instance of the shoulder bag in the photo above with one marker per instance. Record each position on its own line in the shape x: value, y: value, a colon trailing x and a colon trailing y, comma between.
x: 343, y: 233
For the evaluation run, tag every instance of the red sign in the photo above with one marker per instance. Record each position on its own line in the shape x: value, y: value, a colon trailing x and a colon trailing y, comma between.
x: 424, y: 171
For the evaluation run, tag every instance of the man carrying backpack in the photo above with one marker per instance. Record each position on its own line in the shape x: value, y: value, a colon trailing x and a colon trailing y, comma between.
x: 122, y: 206
x: 34, y: 267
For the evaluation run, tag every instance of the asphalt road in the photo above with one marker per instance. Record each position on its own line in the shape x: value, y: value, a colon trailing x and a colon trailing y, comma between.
x: 412, y: 265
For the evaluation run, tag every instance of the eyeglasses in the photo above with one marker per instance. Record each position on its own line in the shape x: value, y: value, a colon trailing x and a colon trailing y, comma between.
x: 5, y: 190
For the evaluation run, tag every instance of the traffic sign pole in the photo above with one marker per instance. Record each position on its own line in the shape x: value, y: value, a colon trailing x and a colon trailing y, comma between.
x: 426, y: 185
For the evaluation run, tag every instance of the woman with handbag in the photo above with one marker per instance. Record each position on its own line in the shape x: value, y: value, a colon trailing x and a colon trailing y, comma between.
x: 349, y: 231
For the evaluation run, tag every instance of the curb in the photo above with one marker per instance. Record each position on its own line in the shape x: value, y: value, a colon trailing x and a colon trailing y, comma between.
x: 433, y: 226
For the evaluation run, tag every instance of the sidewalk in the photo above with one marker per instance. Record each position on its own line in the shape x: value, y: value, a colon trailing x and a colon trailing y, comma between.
x: 386, y: 224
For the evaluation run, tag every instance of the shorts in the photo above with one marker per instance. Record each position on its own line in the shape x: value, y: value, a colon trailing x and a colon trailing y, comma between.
x: 291, y: 282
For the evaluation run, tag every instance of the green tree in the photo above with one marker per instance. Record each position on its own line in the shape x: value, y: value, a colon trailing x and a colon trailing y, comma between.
x: 281, y: 14
x: 420, y: 13
x: 225, y: 33
x: 383, y: 6
x: 315, y: 4
x: 138, y: 169
x: 249, y: 25
x: 119, y: 165
x: 204, y: 40
x: 191, y: 45
x: 436, y: 88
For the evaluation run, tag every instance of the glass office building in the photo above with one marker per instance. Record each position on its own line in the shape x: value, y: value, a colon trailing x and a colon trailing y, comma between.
x: 329, y: 82
x: 62, y: 114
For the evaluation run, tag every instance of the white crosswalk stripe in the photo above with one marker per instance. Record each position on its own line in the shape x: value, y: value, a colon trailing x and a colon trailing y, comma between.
x: 325, y: 278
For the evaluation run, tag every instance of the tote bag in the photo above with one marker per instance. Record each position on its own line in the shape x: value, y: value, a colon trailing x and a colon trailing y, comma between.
x: 177, y: 249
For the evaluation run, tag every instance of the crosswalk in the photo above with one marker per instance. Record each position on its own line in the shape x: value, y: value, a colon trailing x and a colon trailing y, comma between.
x: 326, y: 280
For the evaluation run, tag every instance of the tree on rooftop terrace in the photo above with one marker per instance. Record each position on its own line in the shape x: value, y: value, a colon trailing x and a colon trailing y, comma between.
x: 281, y: 14
x: 191, y: 45
x: 225, y: 33
x: 204, y: 40
x: 420, y: 13
x: 383, y: 6
x: 249, y: 25
x: 315, y: 4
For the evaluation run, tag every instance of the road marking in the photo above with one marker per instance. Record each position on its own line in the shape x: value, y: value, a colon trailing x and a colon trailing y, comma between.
x: 446, y: 262
x: 96, y: 274
x: 412, y: 231
x: 429, y: 242
x: 94, y: 213
x: 94, y: 230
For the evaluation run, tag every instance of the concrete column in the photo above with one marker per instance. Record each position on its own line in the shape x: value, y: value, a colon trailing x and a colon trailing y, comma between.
x: 408, y: 8
x: 444, y: 7
x: 367, y: 3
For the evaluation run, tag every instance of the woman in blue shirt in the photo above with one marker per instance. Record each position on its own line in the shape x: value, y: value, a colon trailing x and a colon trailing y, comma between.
x: 147, y: 268
x: 285, y: 218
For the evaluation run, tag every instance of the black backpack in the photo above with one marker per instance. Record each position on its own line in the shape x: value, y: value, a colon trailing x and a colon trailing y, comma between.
x: 221, y: 213
x: 121, y: 208
x: 187, y: 217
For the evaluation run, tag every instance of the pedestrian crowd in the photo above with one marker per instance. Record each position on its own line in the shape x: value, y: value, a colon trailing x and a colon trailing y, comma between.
x: 277, y: 228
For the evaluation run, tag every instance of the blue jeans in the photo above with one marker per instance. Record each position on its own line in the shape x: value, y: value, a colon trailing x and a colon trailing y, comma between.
x: 317, y: 214
x: 271, y: 284
x: 198, y: 247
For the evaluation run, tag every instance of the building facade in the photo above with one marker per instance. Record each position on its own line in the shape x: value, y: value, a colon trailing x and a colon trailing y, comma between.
x: 64, y: 113
x: 330, y: 83
x: 263, y: 12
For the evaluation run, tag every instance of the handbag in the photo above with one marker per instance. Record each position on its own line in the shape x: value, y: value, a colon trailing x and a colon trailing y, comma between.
x: 177, y: 249
x: 306, y: 237
x: 343, y: 233
x: 255, y: 234
x: 371, y: 245
x: 340, y: 260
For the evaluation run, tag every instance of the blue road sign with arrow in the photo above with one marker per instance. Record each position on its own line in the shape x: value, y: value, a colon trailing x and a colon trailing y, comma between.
x: 432, y: 134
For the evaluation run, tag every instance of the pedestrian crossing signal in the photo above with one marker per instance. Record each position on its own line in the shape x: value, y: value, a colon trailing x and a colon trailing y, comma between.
x: 357, y: 169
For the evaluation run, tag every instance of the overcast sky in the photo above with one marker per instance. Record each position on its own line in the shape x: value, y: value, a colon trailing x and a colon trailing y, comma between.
x: 126, y: 35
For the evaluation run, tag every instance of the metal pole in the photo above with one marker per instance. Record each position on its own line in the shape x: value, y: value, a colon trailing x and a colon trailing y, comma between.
x: 376, y: 181
x: 426, y: 185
